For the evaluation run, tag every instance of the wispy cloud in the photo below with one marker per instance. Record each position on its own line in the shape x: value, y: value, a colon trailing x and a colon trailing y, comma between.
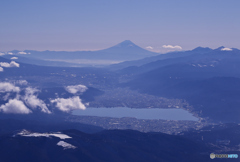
x: 14, y: 58
x: 10, y: 53
x: 149, y: 47
x: 226, y: 49
x: 69, y: 104
x: 1, y: 54
x: 172, y: 47
x: 1, y: 69
x: 6, y: 97
x: 21, y: 82
x: 11, y: 64
x: 76, y: 88
x: 32, y: 101
x: 30, y: 98
x: 15, y: 106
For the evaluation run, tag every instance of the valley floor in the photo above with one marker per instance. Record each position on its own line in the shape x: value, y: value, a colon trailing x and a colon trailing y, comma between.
x: 164, y: 126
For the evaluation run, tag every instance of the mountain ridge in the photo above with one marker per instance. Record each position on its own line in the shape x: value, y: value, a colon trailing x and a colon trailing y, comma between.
x: 123, y: 51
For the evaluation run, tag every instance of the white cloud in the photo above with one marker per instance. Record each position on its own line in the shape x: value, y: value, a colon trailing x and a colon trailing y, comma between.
x: 226, y: 49
x: 22, y: 53
x: 1, y: 54
x: 14, y: 58
x: 21, y: 82
x: 30, y: 98
x: 172, y: 47
x: 4, y: 64
x: 69, y: 104
x: 149, y: 47
x: 66, y: 145
x: 11, y: 64
x: 8, y: 87
x: 1, y: 69
x: 5, y: 98
x: 14, y: 64
x: 32, y: 101
x: 15, y: 106
x: 10, y: 53
x: 31, y: 91
x: 76, y: 88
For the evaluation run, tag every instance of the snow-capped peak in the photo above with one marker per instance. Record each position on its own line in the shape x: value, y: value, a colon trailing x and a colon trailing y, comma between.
x: 26, y: 133
x: 66, y: 145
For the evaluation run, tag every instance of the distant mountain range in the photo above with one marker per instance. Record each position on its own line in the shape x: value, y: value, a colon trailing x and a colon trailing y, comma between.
x: 123, y: 51
x: 177, y: 56
x: 208, y: 79
x: 120, y: 56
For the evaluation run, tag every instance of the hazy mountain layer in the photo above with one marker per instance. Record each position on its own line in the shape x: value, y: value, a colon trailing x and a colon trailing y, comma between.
x: 209, y: 82
x: 121, y: 52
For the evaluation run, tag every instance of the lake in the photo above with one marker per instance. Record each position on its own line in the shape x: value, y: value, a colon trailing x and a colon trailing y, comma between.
x: 143, y: 113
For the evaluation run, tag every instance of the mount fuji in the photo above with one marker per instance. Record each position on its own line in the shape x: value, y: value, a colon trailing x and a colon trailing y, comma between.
x: 124, y: 51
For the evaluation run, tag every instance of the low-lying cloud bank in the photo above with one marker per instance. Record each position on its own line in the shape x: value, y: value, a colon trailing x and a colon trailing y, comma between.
x: 76, y: 88
x: 11, y: 53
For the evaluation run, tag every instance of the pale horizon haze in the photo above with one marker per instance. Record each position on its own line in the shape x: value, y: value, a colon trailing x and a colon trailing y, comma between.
x: 92, y: 25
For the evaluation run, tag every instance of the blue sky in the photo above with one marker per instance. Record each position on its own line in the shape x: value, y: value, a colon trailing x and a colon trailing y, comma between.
x: 98, y: 24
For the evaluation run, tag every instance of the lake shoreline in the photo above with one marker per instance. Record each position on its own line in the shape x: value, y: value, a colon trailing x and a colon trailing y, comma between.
x: 138, y: 113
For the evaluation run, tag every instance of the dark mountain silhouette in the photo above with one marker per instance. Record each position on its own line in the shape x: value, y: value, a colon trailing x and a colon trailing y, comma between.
x: 17, y: 122
x: 109, y: 145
